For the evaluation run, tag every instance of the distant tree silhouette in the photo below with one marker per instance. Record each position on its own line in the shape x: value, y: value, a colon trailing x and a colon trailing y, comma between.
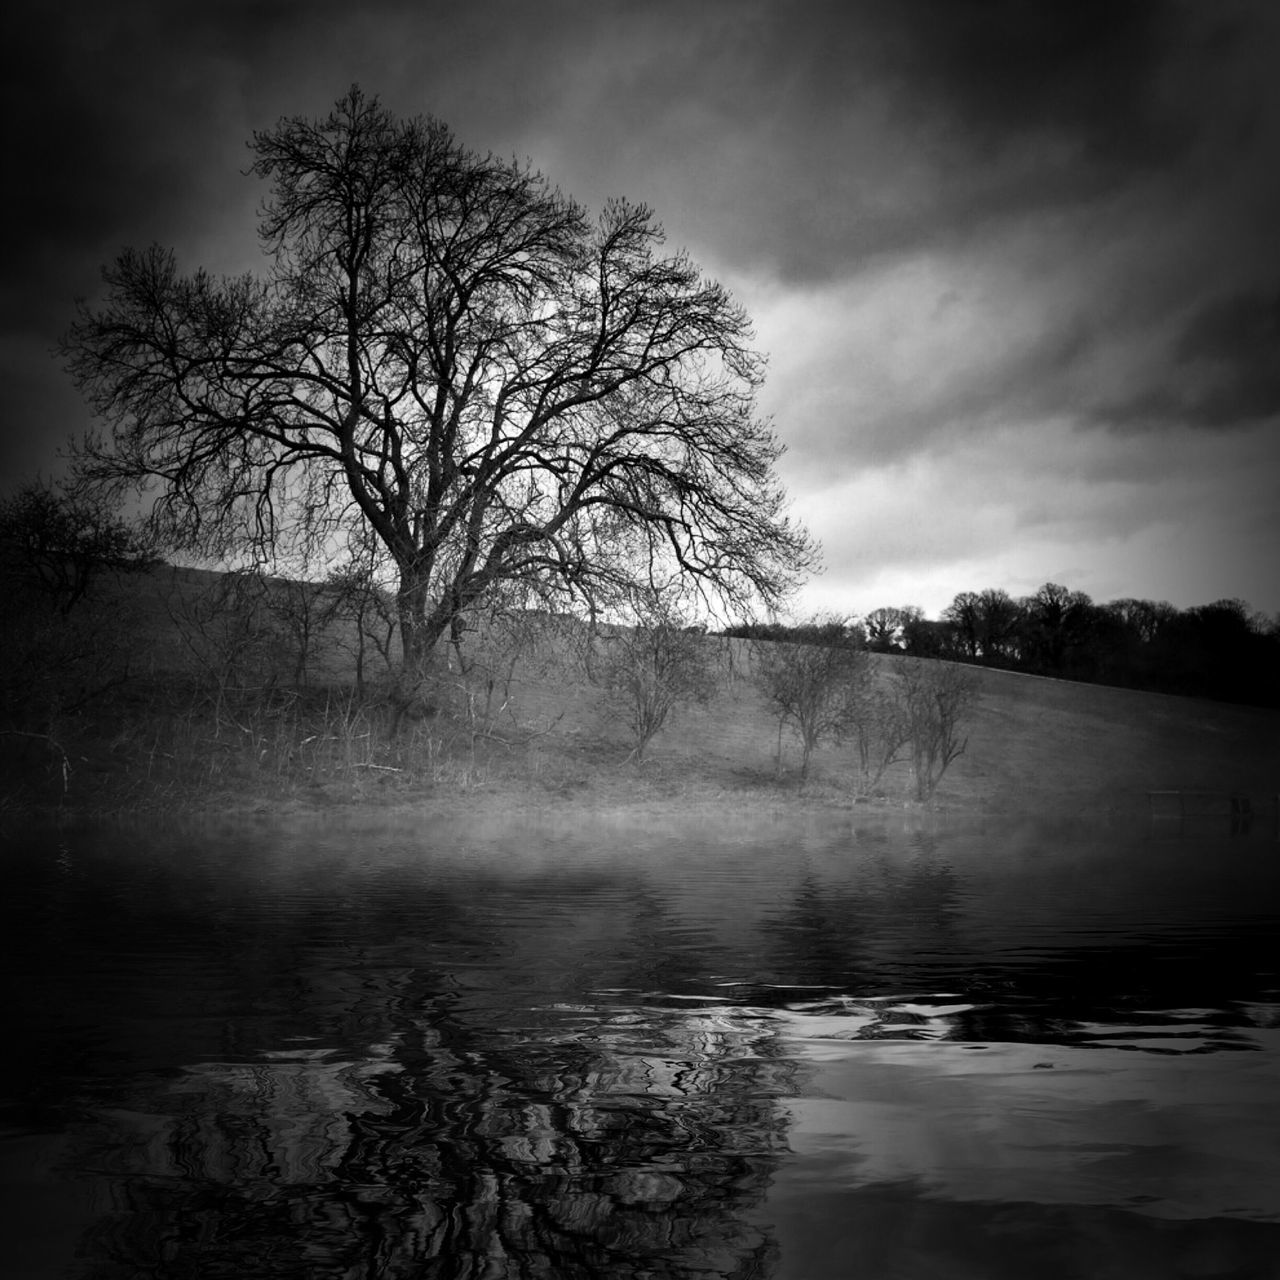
x: 1220, y: 650
x: 1056, y: 625
x: 964, y: 613
x: 885, y: 627
x: 998, y: 621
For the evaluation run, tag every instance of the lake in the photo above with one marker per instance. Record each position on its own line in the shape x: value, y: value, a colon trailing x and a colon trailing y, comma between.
x: 617, y: 1046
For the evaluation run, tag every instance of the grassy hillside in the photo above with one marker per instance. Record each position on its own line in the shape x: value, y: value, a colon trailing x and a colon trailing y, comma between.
x: 217, y: 710
x: 1033, y: 744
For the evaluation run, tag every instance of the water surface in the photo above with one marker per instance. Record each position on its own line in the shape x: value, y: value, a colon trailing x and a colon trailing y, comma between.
x: 617, y: 1047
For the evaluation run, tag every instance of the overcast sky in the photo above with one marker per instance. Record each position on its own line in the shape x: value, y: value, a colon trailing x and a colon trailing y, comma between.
x: 1016, y: 264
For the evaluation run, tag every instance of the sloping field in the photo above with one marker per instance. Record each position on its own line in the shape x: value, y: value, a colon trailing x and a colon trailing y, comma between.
x: 1035, y: 745
x: 1082, y: 748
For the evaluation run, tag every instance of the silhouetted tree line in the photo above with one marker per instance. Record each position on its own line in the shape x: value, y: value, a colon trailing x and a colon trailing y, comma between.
x: 1222, y: 650
x: 830, y: 633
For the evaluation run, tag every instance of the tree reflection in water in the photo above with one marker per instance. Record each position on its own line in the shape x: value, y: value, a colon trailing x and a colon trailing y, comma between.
x: 325, y: 1056
x: 635, y: 1144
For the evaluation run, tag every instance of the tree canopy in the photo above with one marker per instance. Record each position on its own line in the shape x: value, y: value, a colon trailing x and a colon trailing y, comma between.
x: 447, y: 358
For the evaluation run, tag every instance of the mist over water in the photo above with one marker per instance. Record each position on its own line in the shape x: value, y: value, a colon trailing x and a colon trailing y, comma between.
x: 624, y: 1046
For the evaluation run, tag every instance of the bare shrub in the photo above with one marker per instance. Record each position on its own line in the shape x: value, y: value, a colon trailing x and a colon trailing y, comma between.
x: 301, y: 616
x: 652, y: 667
x: 353, y: 594
x: 935, y: 698
x: 818, y: 690
x: 230, y: 636
x: 881, y: 736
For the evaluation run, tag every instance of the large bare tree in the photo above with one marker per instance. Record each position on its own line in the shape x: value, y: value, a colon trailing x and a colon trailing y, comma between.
x: 445, y: 348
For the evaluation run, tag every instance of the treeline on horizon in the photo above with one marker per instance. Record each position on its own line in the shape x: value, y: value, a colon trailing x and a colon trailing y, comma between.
x: 1223, y: 650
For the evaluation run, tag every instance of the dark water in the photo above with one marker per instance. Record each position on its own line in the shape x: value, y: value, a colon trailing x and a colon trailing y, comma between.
x: 642, y: 1050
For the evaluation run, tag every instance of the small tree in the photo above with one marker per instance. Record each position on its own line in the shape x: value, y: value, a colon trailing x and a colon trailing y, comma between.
x: 881, y: 735
x: 817, y: 689
x: 56, y: 664
x: 229, y: 633
x: 352, y: 594
x: 654, y: 666
x: 935, y: 699
x: 512, y: 635
x: 64, y: 644
x: 301, y: 616
x: 55, y: 545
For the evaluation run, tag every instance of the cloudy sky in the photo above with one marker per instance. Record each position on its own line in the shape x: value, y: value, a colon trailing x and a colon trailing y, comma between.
x: 1016, y: 264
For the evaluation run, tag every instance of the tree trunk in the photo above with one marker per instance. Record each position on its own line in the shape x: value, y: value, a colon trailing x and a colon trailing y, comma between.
x: 417, y: 643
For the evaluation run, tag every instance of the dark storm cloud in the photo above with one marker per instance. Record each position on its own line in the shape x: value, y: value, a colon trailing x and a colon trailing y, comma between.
x: 109, y: 140
x: 825, y: 134
x: 799, y: 138
x: 126, y: 123
x: 110, y: 123
x: 1080, y: 69
x: 1223, y: 370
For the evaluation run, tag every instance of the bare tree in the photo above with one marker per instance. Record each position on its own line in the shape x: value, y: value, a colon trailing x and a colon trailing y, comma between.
x: 816, y: 689
x: 65, y: 644
x: 999, y: 619
x: 302, y: 616
x: 353, y: 594
x: 881, y: 733
x: 227, y: 628
x: 964, y: 613
x: 935, y: 698
x: 654, y: 666
x: 884, y: 627
x: 55, y: 663
x: 925, y: 637
x: 56, y: 545
x: 445, y: 351
x: 1145, y: 620
x: 513, y: 635
x: 1056, y: 621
